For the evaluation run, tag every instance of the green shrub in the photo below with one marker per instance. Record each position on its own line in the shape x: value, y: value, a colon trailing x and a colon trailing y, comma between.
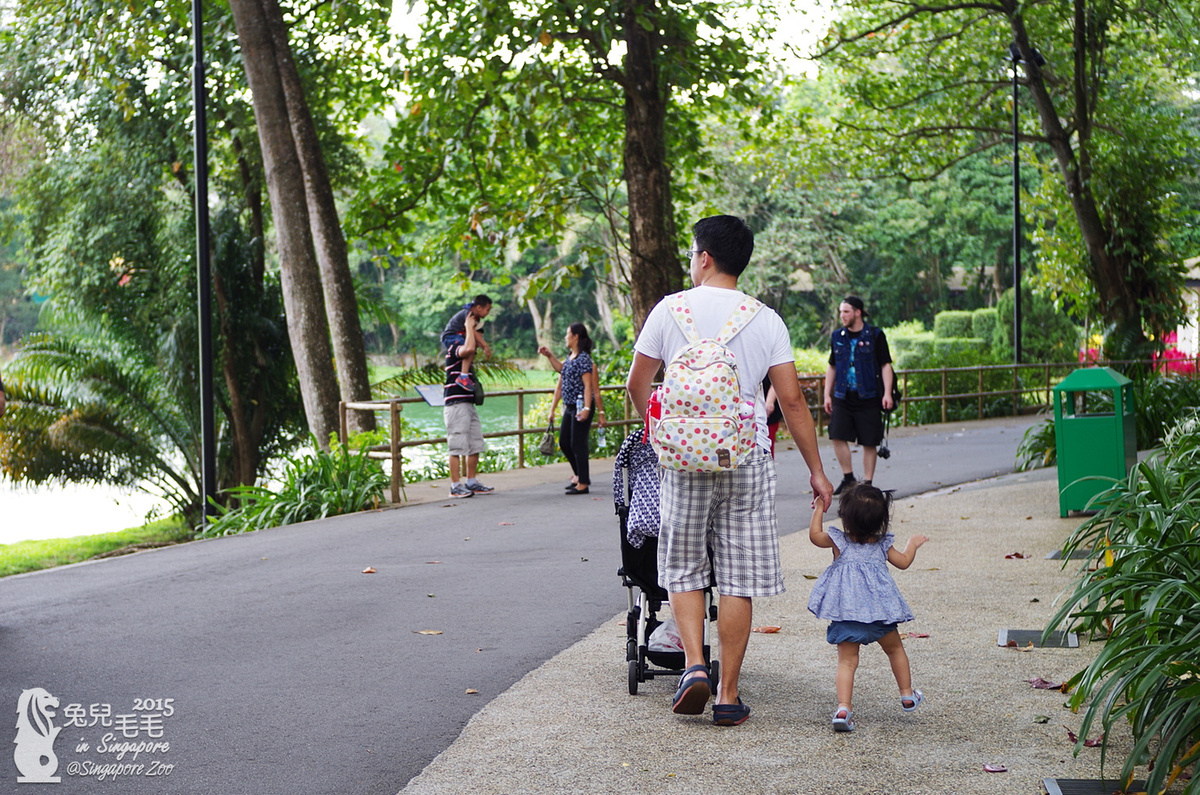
x: 909, y: 360
x: 1139, y: 591
x: 948, y: 347
x: 952, y: 323
x: 1038, y: 447
x: 313, y: 486
x: 1047, y: 335
x: 983, y: 324
x: 811, y: 360
x: 1159, y: 401
x: 902, y: 338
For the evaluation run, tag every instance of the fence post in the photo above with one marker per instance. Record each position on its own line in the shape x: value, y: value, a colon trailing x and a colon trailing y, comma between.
x: 980, y: 391
x: 342, y: 421
x: 1016, y: 391
x: 904, y: 412
x: 943, y: 394
x: 521, y: 427
x: 397, y: 463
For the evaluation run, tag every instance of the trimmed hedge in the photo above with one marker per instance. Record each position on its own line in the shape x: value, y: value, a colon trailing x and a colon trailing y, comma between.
x: 983, y: 323
x: 952, y: 324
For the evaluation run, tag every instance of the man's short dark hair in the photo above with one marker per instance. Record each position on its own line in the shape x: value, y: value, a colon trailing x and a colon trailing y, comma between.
x: 727, y: 240
x: 481, y: 300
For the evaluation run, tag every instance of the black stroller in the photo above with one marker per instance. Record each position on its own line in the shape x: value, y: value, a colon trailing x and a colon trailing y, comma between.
x: 635, y: 492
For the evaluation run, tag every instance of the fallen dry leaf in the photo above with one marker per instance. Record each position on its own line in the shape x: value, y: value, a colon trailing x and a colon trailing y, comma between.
x: 766, y: 630
x: 369, y: 570
x: 1015, y: 556
x: 1041, y: 718
x: 471, y: 691
x: 427, y: 632
x: 995, y: 769
x: 1043, y: 684
x: 914, y: 634
x: 810, y: 576
x: 506, y: 524
x: 1089, y: 743
x: 432, y: 562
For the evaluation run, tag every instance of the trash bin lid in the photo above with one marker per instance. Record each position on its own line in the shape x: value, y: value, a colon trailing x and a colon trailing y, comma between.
x: 1092, y: 378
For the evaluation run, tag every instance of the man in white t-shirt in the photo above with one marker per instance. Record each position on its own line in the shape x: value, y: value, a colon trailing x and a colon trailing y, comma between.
x: 731, y: 512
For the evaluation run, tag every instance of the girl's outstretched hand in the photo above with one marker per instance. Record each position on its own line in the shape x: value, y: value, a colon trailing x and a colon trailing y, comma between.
x: 916, y: 541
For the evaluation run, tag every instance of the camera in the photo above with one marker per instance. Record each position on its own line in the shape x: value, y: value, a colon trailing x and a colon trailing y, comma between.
x: 883, y: 451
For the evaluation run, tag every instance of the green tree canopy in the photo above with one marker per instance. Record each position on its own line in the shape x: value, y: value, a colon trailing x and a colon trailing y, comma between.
x: 929, y: 85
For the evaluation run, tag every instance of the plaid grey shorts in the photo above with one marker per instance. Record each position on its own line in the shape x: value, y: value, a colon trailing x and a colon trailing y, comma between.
x: 733, y: 513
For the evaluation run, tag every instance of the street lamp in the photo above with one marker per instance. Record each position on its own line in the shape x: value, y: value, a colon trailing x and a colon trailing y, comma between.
x: 208, y: 444
x: 1014, y: 53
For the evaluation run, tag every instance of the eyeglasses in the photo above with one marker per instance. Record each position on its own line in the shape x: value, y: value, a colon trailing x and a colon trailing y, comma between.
x: 691, y: 252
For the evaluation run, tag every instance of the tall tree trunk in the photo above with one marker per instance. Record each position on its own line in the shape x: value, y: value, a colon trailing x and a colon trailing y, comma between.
x: 341, y: 305
x: 308, y: 328
x: 656, y: 266
x: 1108, y: 270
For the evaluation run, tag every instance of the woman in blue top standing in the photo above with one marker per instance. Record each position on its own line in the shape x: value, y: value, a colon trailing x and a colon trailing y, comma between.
x: 579, y: 389
x: 857, y: 594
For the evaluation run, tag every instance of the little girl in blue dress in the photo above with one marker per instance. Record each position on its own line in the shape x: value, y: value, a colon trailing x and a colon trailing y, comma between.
x: 857, y: 594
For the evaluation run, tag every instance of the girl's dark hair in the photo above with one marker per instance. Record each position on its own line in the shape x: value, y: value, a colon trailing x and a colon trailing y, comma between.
x: 580, y: 331
x: 866, y: 513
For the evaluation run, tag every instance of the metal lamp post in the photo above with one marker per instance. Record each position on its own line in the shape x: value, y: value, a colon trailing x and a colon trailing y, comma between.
x: 208, y: 445
x: 1014, y: 53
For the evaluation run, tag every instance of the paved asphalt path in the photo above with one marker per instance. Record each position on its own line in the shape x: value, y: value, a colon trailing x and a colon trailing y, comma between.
x: 289, y: 670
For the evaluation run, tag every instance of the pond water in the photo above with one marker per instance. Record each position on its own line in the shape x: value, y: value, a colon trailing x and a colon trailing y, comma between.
x: 66, y: 511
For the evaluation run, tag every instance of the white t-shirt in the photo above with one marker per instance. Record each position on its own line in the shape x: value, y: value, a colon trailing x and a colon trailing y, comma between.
x: 761, y: 345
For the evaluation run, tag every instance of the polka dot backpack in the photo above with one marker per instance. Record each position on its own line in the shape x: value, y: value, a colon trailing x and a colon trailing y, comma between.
x: 703, y: 423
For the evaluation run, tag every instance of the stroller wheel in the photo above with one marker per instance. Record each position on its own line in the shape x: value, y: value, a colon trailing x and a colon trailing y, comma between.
x: 631, y: 649
x: 633, y: 677
x: 714, y: 674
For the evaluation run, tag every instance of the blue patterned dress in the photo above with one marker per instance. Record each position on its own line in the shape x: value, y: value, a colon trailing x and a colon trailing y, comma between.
x: 858, y: 586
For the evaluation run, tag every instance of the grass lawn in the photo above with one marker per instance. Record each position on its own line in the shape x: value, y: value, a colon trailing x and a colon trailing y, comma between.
x: 26, y: 556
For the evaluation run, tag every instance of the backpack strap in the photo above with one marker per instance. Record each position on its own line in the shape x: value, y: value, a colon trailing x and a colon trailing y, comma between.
x: 742, y: 314
x: 681, y: 311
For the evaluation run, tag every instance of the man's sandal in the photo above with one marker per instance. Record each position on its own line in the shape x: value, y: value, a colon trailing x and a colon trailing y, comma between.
x: 694, y: 689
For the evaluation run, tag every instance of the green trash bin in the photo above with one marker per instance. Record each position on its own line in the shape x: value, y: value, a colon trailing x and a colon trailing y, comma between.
x: 1093, y: 436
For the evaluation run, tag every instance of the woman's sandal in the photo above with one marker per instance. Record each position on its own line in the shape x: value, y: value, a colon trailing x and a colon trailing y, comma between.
x: 843, y: 720
x: 910, y: 703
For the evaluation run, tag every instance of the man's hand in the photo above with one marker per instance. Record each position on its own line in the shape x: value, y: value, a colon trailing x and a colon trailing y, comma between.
x: 829, y: 405
x: 888, y: 403
x: 822, y: 490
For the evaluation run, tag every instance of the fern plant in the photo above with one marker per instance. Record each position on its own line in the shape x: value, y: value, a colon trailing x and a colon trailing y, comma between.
x: 314, y: 486
x: 1140, y: 593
